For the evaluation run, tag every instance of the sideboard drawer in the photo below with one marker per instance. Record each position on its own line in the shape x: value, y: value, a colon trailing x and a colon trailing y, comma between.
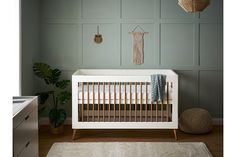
x: 25, y: 131
x: 19, y: 118
x: 30, y: 148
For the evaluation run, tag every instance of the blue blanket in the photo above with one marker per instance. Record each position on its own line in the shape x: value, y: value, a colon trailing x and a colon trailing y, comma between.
x: 158, y: 87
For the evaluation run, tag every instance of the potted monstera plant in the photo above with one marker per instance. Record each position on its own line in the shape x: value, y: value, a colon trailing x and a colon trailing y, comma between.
x: 55, y: 97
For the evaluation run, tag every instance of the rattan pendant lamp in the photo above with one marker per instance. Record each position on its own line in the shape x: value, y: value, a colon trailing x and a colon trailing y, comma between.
x: 191, y: 6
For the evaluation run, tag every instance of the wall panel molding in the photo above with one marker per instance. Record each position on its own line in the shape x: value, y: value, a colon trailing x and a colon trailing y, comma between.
x: 97, y: 54
x: 211, y: 45
x: 186, y: 89
x: 213, y: 11
x: 54, y: 47
x: 181, y: 39
x: 211, y: 91
x: 171, y: 10
x: 138, y: 9
x: 191, y: 44
x: 100, y: 9
x: 61, y: 9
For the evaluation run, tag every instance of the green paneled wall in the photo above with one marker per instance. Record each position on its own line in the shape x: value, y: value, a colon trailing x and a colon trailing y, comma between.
x: 29, y: 44
x: 107, y: 53
x: 177, y: 44
x: 191, y: 44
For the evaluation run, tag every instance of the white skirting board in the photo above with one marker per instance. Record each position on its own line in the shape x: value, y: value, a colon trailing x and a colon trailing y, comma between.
x: 45, y: 121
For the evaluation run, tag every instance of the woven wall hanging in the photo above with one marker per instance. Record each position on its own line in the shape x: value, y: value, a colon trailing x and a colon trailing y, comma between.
x: 191, y: 6
x: 138, y: 45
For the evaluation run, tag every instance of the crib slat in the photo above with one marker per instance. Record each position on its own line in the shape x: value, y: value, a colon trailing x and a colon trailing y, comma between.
x: 157, y: 111
x: 114, y: 102
x: 122, y: 112
x: 87, y: 101
x: 167, y: 104
x: 130, y: 99
x: 109, y: 99
x: 146, y: 101
x: 103, y: 101
x: 125, y: 104
x: 169, y: 111
x: 82, y: 114
x: 161, y: 114
x: 98, y: 101
x: 141, y: 101
x: 93, y: 101
x: 119, y: 99
x: 151, y: 112
x: 135, y: 101
x: 162, y: 111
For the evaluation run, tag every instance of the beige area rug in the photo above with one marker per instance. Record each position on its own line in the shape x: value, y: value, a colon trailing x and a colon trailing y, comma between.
x: 129, y: 149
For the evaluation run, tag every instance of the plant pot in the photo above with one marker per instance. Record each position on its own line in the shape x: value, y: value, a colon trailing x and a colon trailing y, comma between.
x: 57, y: 130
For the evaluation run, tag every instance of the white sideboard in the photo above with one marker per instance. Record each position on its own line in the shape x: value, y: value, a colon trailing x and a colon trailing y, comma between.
x: 25, y: 126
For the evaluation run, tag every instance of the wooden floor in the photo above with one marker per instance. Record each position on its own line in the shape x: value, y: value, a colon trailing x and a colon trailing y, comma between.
x: 213, y: 140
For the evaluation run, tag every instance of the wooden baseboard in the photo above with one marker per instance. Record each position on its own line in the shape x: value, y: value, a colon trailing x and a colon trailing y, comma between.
x: 45, y: 121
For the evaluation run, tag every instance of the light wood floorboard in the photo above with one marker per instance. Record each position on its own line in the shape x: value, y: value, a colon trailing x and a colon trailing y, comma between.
x: 213, y: 140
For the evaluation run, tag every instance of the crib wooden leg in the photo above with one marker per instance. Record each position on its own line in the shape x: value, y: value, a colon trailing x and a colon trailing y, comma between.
x: 74, y: 133
x: 176, y: 138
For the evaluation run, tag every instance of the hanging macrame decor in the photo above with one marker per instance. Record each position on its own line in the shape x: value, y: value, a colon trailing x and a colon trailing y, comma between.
x: 138, y: 45
x: 191, y: 6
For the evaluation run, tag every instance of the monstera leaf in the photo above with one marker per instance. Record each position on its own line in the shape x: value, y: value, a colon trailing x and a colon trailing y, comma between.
x: 63, y: 97
x: 57, y: 117
x: 44, y: 71
x: 62, y: 84
x: 56, y: 73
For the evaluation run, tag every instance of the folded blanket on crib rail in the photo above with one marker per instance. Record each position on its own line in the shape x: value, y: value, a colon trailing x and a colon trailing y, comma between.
x: 158, y: 87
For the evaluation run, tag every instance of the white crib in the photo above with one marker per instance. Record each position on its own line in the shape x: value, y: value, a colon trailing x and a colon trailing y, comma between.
x: 121, y: 99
